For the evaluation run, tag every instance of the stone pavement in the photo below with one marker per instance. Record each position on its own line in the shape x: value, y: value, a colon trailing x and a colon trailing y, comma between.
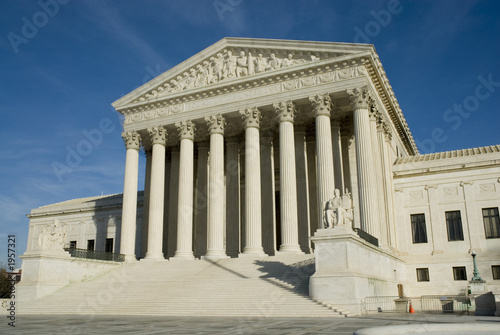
x: 142, y: 325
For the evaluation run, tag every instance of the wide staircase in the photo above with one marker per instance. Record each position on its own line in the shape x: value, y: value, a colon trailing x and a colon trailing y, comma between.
x: 274, y: 286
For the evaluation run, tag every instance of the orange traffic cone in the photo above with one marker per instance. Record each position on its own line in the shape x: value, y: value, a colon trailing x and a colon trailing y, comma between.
x: 412, y: 310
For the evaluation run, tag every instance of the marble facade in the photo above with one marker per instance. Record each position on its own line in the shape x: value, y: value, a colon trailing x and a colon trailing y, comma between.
x: 246, y: 144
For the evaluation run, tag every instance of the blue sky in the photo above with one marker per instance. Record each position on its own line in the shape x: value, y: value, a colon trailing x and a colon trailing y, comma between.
x: 63, y: 62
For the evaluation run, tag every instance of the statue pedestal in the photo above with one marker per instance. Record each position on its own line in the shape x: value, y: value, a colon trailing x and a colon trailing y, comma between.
x: 348, y: 269
x: 44, y: 272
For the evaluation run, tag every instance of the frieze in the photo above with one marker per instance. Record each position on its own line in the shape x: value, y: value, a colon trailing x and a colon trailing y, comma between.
x: 288, y: 85
x: 227, y: 65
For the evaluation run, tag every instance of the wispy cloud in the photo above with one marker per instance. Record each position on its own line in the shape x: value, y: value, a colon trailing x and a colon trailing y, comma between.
x: 109, y: 20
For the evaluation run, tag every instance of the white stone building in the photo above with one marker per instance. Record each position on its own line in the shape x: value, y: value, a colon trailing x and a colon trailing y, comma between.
x: 245, y: 144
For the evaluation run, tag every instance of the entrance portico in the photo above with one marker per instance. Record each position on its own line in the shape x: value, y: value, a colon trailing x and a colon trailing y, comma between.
x: 246, y: 108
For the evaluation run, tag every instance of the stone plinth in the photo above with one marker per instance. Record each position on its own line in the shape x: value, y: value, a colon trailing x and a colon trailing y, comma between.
x: 348, y: 269
x: 48, y: 270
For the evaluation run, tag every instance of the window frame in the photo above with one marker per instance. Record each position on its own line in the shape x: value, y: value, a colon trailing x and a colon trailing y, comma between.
x: 418, y: 233
x: 89, y: 243
x: 423, y: 275
x: 495, y: 272
x: 72, y: 244
x: 455, y: 223
x: 457, y: 273
x: 493, y: 230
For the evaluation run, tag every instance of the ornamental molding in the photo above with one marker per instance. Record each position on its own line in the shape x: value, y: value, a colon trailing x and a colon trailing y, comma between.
x: 239, y: 93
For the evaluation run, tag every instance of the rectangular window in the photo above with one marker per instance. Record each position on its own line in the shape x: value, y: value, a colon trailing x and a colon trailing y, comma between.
x: 496, y: 271
x: 419, y: 233
x: 109, y: 245
x: 90, y: 244
x: 454, y: 225
x: 459, y: 273
x: 423, y: 274
x: 491, y: 222
x: 72, y: 244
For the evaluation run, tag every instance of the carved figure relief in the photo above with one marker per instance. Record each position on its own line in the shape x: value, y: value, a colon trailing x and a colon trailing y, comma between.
x: 52, y: 236
x: 487, y: 188
x: 222, y: 67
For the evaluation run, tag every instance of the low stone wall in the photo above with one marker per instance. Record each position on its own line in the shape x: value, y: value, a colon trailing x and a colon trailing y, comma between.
x: 45, y: 272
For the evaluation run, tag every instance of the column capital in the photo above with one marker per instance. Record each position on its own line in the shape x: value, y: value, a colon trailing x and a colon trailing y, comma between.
x: 186, y: 129
x: 251, y: 117
x: 321, y: 104
x: 132, y: 139
x: 359, y: 97
x: 216, y: 124
x: 285, y: 111
x: 158, y: 135
x: 387, y: 131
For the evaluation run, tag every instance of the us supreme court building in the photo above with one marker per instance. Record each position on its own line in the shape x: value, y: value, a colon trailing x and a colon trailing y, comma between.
x: 247, y: 142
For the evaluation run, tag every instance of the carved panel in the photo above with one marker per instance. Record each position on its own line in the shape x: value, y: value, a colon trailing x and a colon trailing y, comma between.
x: 450, y: 191
x: 487, y: 188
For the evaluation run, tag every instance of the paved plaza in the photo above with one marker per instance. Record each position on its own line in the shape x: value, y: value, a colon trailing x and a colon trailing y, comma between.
x: 142, y: 325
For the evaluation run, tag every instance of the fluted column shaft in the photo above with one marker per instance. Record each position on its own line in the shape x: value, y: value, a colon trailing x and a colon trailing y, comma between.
x: 268, y: 192
x: 157, y: 193
x: 322, y: 105
x: 387, y: 200
x: 302, y: 189
x: 288, y: 179
x: 253, y: 215
x: 201, y: 201
x: 337, y: 156
x: 232, y: 197
x: 364, y: 160
x: 379, y: 229
x: 185, y: 199
x: 129, y: 211
x: 173, y: 198
x: 215, y: 226
x: 145, y: 207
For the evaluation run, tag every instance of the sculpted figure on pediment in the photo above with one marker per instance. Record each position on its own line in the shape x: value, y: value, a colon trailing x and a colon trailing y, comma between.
x: 242, y: 65
x: 288, y: 61
x: 251, y: 64
x: 229, y: 66
x: 260, y: 64
x: 191, y: 80
x: 217, y: 68
x: 202, y: 78
x: 274, y: 63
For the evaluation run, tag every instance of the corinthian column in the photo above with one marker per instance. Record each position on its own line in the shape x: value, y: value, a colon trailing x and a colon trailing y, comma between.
x: 185, y: 199
x: 253, y: 228
x: 359, y: 98
x: 157, y: 193
x: 215, y: 226
x: 285, y: 112
x: 337, y: 154
x: 322, y: 105
x: 129, y: 211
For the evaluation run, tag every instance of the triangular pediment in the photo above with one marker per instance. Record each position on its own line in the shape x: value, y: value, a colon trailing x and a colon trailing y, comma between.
x: 233, y: 59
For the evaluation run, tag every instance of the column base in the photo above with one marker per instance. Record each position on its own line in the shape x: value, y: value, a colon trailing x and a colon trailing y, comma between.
x: 214, y: 256
x: 290, y: 249
x: 183, y: 255
x: 154, y: 257
x: 252, y: 254
x: 130, y: 258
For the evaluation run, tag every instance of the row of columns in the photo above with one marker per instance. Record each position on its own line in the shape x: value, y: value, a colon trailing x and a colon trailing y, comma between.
x: 329, y: 175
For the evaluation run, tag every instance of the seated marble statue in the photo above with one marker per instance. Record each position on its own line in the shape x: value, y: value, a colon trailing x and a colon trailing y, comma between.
x: 338, y: 210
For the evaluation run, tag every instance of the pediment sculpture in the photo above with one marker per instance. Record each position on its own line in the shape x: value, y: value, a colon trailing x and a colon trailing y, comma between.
x: 338, y: 211
x: 225, y: 65
x: 52, y: 236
